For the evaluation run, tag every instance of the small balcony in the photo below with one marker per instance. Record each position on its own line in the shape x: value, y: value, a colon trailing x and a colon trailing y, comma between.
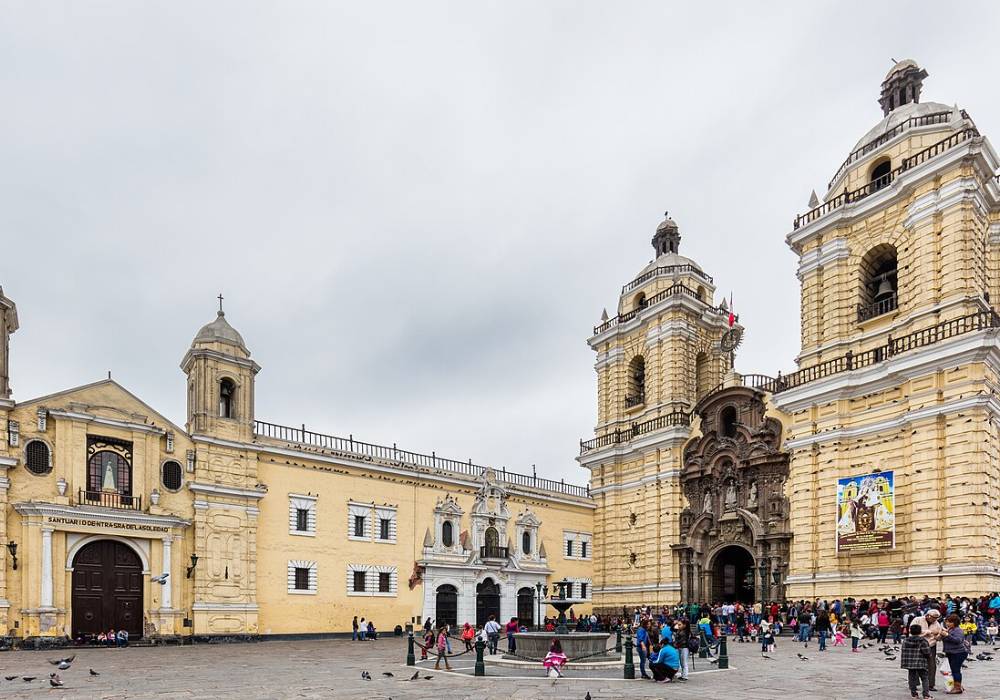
x: 633, y: 401
x: 877, y: 308
x: 109, y: 499
x: 492, y: 552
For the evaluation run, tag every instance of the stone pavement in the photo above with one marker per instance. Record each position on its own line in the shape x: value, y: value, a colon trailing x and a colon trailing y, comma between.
x: 332, y: 669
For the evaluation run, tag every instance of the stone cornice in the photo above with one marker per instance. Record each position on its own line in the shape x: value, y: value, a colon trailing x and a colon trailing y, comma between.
x: 650, y: 479
x: 220, y: 490
x: 195, y: 353
x: 109, y: 514
x: 707, y: 315
x: 111, y: 422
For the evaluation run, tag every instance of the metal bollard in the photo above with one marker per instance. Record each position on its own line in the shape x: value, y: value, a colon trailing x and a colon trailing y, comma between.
x: 480, y: 666
x: 618, y: 640
x: 629, y: 666
x: 703, y: 647
x: 411, y: 660
x: 723, y: 653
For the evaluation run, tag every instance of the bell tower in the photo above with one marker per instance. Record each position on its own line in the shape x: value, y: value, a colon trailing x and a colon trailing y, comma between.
x: 220, y: 386
x: 8, y: 324
x: 658, y: 355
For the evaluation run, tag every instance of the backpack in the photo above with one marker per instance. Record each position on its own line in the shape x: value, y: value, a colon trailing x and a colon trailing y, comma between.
x: 693, y: 644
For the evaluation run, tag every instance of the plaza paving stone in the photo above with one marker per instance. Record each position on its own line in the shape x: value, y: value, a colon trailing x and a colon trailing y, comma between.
x: 332, y: 669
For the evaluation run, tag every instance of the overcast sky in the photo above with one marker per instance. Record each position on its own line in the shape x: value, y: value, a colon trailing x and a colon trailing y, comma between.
x: 416, y: 211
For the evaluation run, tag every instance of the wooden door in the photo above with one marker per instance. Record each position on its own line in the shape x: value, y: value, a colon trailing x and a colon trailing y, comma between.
x: 107, y: 589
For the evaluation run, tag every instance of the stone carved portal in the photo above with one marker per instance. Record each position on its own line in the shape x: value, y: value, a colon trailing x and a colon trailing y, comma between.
x: 737, y: 516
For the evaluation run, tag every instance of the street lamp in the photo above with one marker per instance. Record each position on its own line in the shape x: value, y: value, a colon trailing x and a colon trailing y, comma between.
x: 538, y: 604
x: 762, y: 568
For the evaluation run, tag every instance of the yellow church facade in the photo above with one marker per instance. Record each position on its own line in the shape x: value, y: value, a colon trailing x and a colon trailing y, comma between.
x: 872, y: 469
x: 116, y: 518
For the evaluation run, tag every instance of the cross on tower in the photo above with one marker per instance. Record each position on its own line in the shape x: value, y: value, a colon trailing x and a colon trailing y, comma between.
x: 220, y: 302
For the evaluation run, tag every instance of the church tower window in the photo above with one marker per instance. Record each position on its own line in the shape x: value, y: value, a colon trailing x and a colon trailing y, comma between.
x: 727, y: 417
x: 879, y: 282
x: 635, y: 395
x: 227, y: 396
x: 881, y: 175
x: 526, y: 543
x: 447, y: 534
x: 639, y: 302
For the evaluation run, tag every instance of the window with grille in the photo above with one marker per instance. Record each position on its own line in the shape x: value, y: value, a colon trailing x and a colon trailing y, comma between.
x: 447, y: 536
x: 383, y: 529
x: 359, y: 526
x: 583, y: 549
x: 583, y: 590
x: 359, y: 581
x: 301, y: 519
x: 526, y: 543
x: 569, y: 548
x: 384, y: 583
x: 171, y: 475
x: 37, y: 457
x: 301, y: 579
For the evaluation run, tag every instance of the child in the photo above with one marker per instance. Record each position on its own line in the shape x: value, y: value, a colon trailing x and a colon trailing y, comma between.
x: 839, y: 637
x: 442, y: 649
x: 992, y: 630
x: 766, y: 636
x: 897, y: 630
x: 855, y: 636
x: 916, y: 654
x: 555, y: 659
x: 428, y: 643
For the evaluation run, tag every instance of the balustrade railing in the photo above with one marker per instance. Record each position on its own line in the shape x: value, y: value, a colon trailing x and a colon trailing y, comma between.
x: 633, y: 401
x: 492, y: 552
x: 397, y: 457
x: 877, y: 308
x: 109, y: 499
x: 879, y: 183
x: 673, y: 290
x: 665, y: 270
x: 620, y: 435
x: 865, y: 149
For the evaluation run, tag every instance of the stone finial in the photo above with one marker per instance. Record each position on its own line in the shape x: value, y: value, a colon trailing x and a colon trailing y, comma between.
x: 813, y: 200
x: 604, y: 315
x: 541, y: 551
x: 428, y: 540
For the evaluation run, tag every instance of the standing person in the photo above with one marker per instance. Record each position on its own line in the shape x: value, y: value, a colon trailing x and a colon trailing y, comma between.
x: 363, y: 628
x: 823, y: 628
x: 855, y: 635
x: 428, y: 644
x: 682, y: 640
x: 354, y: 629
x: 468, y: 634
x: 915, y: 659
x: 642, y: 643
x: 882, y: 619
x: 492, y: 629
x: 511, y: 628
x: 805, y: 617
x: 442, y: 649
x: 932, y: 631
x: 957, y: 650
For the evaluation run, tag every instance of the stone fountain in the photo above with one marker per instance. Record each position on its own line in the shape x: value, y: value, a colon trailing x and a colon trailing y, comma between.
x: 575, y: 645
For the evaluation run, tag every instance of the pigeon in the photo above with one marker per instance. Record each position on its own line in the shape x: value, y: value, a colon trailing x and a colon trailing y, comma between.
x: 587, y: 696
x: 55, y: 681
x: 28, y: 679
x: 94, y: 673
x: 984, y: 657
x: 765, y: 656
x: 9, y: 678
x: 63, y: 665
x: 415, y: 676
x: 387, y: 674
x: 427, y: 678
x: 66, y: 660
x: 804, y: 658
x: 891, y: 658
x: 365, y: 676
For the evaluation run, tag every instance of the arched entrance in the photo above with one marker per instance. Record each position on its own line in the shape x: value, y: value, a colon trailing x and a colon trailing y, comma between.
x: 526, y: 606
x: 107, y: 589
x: 446, y: 606
x: 733, y: 575
x: 487, y: 601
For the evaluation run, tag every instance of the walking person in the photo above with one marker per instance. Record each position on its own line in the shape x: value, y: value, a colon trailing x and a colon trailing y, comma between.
x: 915, y: 659
x: 354, y: 629
x: 805, y: 617
x: 643, y: 645
x: 442, y: 649
x: 882, y: 619
x: 682, y: 640
x: 468, y: 634
x: 956, y: 647
x: 492, y: 628
x: 823, y: 628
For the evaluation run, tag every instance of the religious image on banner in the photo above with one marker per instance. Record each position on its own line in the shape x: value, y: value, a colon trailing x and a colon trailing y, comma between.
x: 866, y: 513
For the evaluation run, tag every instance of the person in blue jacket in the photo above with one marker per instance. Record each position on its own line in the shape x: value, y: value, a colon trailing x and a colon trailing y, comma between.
x: 666, y: 664
x: 643, y: 645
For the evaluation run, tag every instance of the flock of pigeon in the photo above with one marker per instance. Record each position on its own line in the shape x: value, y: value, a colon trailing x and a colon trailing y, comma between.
x: 891, y: 654
x: 365, y: 676
x: 63, y: 664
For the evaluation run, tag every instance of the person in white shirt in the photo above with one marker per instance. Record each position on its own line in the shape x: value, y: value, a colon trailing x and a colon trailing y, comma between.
x: 492, y: 629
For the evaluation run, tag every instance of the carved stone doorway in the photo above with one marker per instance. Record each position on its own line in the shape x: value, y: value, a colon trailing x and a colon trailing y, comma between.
x: 733, y: 575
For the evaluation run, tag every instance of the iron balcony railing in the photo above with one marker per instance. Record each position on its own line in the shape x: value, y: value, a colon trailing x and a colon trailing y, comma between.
x: 492, y: 552
x: 619, y: 435
x: 761, y: 382
x: 393, y: 456
x: 879, y: 183
x: 633, y: 401
x: 109, y: 499
x: 862, y: 151
x: 877, y: 308
x: 981, y: 320
x: 665, y: 270
x: 673, y: 290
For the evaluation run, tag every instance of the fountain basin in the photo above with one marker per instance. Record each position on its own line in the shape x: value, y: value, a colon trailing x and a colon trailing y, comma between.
x: 575, y: 645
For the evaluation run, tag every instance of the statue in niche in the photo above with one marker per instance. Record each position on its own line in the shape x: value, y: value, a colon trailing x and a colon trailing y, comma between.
x: 752, y: 497
x: 730, y: 496
x: 706, y: 503
x: 108, y: 484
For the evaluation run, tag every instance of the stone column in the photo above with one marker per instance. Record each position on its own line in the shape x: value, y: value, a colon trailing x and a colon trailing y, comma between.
x: 167, y: 599
x: 46, y: 599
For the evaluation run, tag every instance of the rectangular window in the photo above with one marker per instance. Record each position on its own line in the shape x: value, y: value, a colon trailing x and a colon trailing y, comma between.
x: 301, y: 519
x: 383, y: 583
x: 583, y: 591
x: 569, y: 589
x: 383, y: 528
x: 359, y: 581
x: 301, y: 579
x: 569, y: 548
x: 359, y: 526
x: 583, y: 549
